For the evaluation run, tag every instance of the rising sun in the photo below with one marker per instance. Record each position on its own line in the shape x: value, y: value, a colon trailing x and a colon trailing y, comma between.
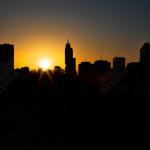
x: 45, y: 64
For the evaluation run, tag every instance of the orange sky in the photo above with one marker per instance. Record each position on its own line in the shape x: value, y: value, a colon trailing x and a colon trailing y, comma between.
x: 97, y: 29
x: 34, y: 42
x: 29, y: 51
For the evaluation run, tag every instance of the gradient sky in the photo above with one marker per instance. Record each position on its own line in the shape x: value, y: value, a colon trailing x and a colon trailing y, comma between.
x: 96, y: 28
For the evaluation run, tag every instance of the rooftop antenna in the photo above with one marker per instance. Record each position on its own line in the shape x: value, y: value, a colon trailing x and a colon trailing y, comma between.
x: 68, y: 40
x: 101, y: 57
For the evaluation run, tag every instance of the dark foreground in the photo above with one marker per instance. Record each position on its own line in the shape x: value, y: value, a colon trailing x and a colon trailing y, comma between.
x: 37, y: 111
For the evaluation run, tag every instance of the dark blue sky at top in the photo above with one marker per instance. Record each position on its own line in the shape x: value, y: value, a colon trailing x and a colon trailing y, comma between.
x: 113, y: 12
x: 126, y: 21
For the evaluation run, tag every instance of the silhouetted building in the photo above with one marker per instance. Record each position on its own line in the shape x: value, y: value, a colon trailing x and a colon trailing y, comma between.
x: 58, y: 69
x: 119, y: 64
x: 131, y: 66
x: 69, y: 60
x: 145, y: 63
x: 24, y: 71
x: 86, y: 69
x: 40, y: 70
x: 145, y: 54
x: 102, y: 66
x: 6, y: 60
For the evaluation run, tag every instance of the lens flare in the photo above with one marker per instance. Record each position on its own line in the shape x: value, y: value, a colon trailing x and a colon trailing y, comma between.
x: 45, y: 64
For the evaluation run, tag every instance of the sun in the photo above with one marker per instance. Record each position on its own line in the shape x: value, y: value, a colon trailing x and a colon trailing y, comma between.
x: 45, y: 64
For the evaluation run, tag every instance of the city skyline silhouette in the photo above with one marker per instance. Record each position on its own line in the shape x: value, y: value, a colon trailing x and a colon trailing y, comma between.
x: 73, y: 72
x: 96, y: 28
x: 52, y: 63
x: 45, y: 62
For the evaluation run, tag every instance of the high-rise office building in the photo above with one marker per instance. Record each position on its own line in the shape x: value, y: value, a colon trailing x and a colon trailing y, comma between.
x: 85, y: 69
x: 145, y: 54
x: 102, y: 66
x: 6, y: 60
x: 69, y: 60
x: 119, y: 64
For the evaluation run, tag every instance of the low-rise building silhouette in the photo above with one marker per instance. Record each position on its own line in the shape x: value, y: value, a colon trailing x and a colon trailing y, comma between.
x: 131, y: 66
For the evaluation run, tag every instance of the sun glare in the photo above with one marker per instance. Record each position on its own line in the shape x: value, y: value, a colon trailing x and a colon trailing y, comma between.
x: 45, y: 64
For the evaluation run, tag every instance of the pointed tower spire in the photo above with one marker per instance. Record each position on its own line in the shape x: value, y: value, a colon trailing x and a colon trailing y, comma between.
x: 70, y: 61
x: 68, y: 42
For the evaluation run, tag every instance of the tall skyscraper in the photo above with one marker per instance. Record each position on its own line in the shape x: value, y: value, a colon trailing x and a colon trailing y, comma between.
x: 6, y: 60
x: 145, y: 54
x: 69, y: 60
x: 145, y: 62
x: 119, y: 64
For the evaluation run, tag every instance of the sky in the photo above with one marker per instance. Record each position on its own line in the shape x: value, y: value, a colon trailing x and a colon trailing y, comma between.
x: 97, y: 29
